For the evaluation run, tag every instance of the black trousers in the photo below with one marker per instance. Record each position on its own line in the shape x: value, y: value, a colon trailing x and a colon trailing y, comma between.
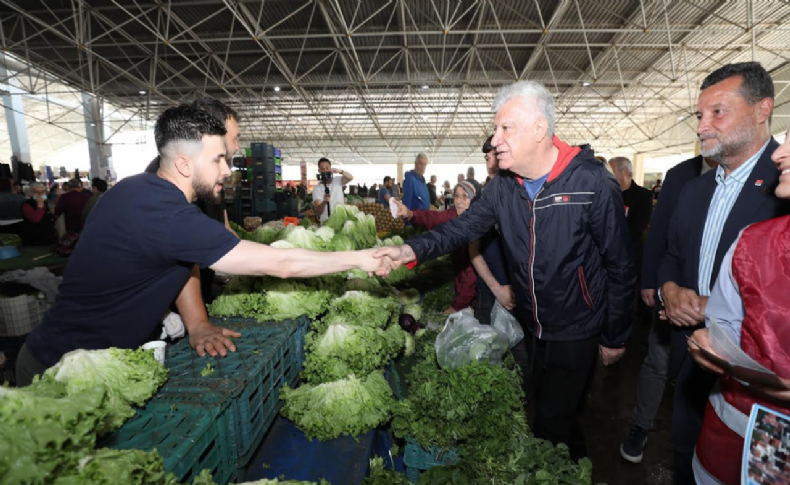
x: 692, y: 388
x: 556, y: 375
x: 484, y: 303
x: 27, y: 367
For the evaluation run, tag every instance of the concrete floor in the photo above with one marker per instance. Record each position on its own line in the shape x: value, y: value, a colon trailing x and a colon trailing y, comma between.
x: 607, y: 419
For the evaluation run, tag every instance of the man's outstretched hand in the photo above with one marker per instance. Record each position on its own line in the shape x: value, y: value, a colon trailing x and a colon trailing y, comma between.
x: 395, y: 256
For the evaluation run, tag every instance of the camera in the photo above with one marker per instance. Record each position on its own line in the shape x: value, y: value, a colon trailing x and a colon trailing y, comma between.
x: 325, y: 177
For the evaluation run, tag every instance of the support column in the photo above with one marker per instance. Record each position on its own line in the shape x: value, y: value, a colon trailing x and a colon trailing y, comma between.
x: 98, y: 151
x: 639, y: 168
x: 400, y: 172
x: 15, y: 119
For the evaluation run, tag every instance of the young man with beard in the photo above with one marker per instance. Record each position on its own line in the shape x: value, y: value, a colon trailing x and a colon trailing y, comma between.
x: 146, y: 240
x: 733, y: 112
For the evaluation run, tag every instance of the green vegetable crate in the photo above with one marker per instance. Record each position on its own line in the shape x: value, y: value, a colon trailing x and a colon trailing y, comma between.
x: 241, y: 394
x: 416, y: 458
x: 189, y: 439
x: 267, y: 355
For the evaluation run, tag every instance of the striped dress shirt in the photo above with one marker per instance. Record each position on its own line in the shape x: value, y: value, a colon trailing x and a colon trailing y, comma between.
x: 727, y: 191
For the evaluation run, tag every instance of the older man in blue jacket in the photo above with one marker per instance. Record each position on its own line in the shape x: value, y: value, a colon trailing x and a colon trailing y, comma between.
x: 415, y: 190
x: 563, y: 230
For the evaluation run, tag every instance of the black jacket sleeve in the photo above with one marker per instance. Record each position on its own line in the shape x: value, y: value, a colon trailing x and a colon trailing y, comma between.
x: 670, y: 267
x: 609, y: 229
x: 471, y: 226
x: 656, y: 244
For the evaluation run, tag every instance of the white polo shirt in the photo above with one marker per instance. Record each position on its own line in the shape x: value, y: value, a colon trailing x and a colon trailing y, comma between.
x: 335, y: 192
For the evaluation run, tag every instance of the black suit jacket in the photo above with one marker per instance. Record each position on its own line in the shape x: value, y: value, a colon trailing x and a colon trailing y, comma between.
x: 680, y: 263
x: 656, y: 244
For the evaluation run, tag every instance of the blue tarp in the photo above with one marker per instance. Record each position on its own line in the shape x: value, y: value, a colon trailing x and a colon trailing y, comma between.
x: 287, y: 452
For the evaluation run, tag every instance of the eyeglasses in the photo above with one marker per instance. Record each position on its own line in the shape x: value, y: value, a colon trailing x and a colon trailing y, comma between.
x: 461, y: 197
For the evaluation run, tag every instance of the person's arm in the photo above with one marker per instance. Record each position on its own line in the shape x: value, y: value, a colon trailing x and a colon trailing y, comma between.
x: 33, y: 215
x: 203, y: 336
x: 320, y: 202
x: 252, y: 259
x: 503, y: 293
x: 465, y: 290
x: 682, y: 306
x: 59, y: 206
x: 609, y: 230
x: 227, y: 223
x: 345, y: 177
x: 407, y: 191
x: 472, y: 224
x: 430, y: 219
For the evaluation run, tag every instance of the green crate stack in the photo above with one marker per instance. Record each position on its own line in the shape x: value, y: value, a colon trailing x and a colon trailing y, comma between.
x: 189, y: 439
x: 416, y: 458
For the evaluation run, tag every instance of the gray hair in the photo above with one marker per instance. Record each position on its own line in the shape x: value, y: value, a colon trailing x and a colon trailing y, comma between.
x: 421, y: 155
x: 622, y: 163
x: 529, y: 90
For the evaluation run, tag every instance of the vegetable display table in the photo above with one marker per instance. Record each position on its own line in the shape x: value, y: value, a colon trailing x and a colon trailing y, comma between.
x: 33, y: 257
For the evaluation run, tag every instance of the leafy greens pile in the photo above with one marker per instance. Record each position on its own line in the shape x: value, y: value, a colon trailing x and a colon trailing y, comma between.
x: 48, y: 430
x: 348, y: 406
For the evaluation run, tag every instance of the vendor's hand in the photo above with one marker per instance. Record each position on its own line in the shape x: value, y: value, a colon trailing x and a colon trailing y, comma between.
x: 649, y: 297
x: 403, y: 211
x: 610, y: 356
x: 450, y: 311
x: 684, y: 307
x: 212, y: 339
x: 701, y: 339
x: 398, y: 255
x: 327, y: 198
x: 504, y: 295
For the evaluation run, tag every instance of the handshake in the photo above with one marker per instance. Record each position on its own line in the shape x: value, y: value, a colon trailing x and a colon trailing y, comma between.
x: 382, y: 261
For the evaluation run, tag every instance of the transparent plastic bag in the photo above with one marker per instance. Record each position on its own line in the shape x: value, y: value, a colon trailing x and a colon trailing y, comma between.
x: 464, y: 340
x: 505, y: 322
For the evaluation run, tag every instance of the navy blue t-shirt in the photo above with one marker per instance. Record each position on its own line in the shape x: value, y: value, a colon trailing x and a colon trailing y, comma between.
x: 130, y: 264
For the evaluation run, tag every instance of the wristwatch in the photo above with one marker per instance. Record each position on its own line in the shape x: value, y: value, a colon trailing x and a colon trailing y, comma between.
x: 342, y: 172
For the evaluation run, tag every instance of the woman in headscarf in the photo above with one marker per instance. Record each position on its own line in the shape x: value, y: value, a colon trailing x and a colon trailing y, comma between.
x: 465, y: 276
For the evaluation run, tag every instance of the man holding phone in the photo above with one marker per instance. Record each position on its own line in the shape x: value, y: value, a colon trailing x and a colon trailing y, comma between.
x: 329, y: 192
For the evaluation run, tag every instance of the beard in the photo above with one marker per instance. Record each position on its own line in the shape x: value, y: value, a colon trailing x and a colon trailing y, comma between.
x: 204, y: 190
x: 729, y: 146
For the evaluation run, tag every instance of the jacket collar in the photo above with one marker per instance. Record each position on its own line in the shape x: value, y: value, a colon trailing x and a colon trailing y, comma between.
x: 566, y: 155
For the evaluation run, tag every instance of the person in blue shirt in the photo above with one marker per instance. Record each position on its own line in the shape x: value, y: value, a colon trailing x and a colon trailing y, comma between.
x: 415, y: 190
x: 385, y: 192
x: 146, y: 240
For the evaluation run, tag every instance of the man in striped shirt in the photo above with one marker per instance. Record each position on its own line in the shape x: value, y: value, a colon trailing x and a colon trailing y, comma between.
x: 734, y: 111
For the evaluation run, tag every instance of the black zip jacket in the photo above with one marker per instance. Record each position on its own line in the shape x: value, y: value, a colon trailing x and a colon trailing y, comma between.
x: 568, y: 252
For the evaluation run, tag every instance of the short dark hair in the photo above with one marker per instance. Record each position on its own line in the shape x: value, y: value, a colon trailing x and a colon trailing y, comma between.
x: 100, y: 184
x: 324, y: 159
x: 757, y: 83
x: 186, y: 123
x: 487, y: 148
x: 215, y: 108
x: 387, y: 179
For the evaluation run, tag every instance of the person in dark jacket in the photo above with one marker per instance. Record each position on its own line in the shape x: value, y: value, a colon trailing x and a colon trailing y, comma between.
x: 565, y: 238
x: 493, y: 281
x: 734, y: 108
x: 465, y: 277
x: 70, y: 205
x: 637, y: 201
x: 38, y: 223
x: 653, y: 376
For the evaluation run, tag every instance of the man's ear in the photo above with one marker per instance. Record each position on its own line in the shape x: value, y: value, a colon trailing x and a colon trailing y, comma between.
x: 183, y: 165
x: 541, y: 128
x: 765, y: 108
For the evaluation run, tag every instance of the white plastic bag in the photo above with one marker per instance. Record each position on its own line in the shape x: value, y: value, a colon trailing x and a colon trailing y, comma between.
x: 464, y: 340
x: 505, y: 322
